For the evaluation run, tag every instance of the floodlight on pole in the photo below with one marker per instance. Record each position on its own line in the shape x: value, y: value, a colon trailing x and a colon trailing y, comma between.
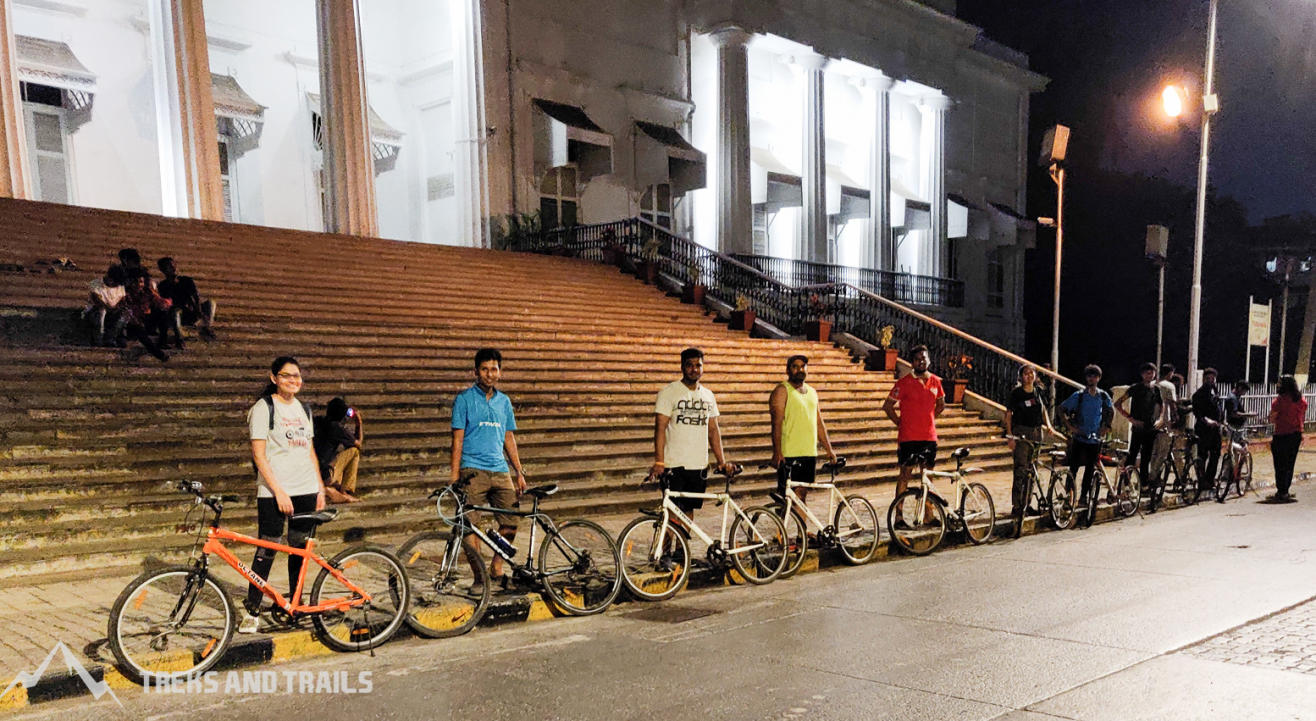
x: 1210, y: 104
x: 1054, y: 145
x: 1172, y: 99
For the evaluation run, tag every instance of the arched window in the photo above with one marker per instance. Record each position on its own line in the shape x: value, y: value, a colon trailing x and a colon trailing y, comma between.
x: 558, y: 198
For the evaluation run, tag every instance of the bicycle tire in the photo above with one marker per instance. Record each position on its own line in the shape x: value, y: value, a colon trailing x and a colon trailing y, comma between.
x: 924, y: 537
x: 645, y: 578
x: 1128, y: 492
x: 1223, y: 480
x: 179, y: 589
x: 442, y: 603
x: 580, y: 567
x: 1061, y: 500
x: 1244, y: 474
x: 374, y: 622
x: 978, y: 513
x: 858, y: 515
x: 797, y: 541
x: 1191, y: 484
x: 758, y: 527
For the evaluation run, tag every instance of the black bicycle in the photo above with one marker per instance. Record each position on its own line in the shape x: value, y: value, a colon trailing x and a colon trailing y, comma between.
x: 577, y: 564
x: 1058, y: 500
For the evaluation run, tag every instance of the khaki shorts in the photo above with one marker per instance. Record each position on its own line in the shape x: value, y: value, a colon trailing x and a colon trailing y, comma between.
x: 492, y: 488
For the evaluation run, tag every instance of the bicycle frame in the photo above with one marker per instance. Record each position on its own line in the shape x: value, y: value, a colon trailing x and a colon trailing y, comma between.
x: 793, y: 500
x: 670, y: 509
x: 464, y: 527
x: 214, y: 545
x: 961, y: 487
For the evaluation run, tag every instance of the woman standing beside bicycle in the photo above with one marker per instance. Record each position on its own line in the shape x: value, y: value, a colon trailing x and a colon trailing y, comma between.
x: 1287, y: 413
x: 288, y: 475
x: 1025, y: 417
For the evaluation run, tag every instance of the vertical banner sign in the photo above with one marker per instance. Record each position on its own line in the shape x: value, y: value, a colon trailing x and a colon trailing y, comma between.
x: 1258, y: 325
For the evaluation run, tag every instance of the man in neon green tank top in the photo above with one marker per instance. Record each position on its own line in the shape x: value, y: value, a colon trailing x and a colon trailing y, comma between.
x: 797, y: 427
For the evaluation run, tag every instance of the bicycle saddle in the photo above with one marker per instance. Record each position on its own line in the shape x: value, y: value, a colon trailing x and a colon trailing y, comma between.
x: 317, y: 517
x: 542, y: 491
x: 960, y: 453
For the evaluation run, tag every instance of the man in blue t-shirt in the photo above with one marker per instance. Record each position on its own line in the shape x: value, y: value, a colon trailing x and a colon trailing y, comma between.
x: 482, y: 443
x: 1087, y: 415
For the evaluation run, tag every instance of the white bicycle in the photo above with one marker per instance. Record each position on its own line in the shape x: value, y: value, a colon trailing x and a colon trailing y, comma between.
x: 655, y: 550
x: 853, y: 529
x: 918, y: 518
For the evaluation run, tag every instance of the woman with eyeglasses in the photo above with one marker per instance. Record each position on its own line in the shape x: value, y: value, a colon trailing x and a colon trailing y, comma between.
x: 288, y: 476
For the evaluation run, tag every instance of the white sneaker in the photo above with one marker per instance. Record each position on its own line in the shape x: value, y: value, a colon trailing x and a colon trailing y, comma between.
x: 250, y: 624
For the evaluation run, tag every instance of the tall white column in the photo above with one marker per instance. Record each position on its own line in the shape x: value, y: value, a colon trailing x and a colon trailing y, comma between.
x: 349, y: 168
x: 471, y: 154
x: 814, y: 164
x: 14, y: 181
x: 185, y: 111
x: 880, y: 251
x: 734, y: 214
x: 937, y: 249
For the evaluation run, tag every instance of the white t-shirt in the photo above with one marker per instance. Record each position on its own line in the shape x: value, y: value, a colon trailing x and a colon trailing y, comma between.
x: 1167, y: 402
x: 108, y: 296
x: 688, y: 412
x: 287, y: 447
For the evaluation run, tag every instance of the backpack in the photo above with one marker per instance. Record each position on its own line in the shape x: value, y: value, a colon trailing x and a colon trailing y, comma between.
x: 269, y: 404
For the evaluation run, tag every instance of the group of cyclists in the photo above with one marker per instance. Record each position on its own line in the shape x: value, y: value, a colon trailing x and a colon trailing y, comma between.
x: 686, y: 433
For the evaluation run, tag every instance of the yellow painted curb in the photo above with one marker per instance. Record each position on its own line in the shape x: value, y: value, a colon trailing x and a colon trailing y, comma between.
x: 15, y: 699
x: 298, y: 644
x: 539, y: 611
x: 117, y: 680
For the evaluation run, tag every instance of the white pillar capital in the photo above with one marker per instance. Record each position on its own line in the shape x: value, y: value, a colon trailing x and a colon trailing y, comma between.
x: 730, y: 36
x: 879, y: 82
x: 935, y: 103
x: 810, y: 61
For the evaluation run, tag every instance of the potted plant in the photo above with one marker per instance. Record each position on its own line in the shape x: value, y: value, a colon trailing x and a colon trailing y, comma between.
x: 649, y: 260
x: 742, y: 318
x: 694, y: 288
x: 961, y: 369
x: 820, y: 328
x: 614, y: 253
x: 885, y: 357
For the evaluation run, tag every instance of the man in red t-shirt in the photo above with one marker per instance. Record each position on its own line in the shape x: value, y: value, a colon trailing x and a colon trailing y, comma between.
x: 920, y: 399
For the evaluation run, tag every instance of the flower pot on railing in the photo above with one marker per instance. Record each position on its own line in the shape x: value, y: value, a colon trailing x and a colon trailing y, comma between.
x: 742, y: 319
x: 961, y: 368
x: 818, y: 330
x: 649, y: 271
x: 956, y: 389
x: 881, y: 359
x: 693, y: 293
x: 614, y: 254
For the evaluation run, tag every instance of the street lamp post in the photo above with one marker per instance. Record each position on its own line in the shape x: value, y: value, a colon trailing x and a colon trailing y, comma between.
x: 1157, y: 251
x: 1054, y: 144
x: 1210, y: 103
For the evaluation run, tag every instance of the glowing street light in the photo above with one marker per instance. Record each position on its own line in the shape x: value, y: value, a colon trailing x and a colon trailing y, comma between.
x: 1172, y: 98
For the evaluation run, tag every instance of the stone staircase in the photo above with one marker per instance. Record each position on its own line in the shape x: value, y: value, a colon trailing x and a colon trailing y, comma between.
x: 89, y: 437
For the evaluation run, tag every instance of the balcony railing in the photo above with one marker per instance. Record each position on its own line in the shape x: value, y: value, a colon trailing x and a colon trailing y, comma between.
x: 788, y: 306
x: 901, y: 287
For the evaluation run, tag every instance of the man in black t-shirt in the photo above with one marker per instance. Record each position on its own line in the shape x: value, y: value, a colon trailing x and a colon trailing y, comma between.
x: 189, y: 308
x: 1206, y: 409
x: 1145, y: 414
x: 1235, y: 414
x: 1025, y: 417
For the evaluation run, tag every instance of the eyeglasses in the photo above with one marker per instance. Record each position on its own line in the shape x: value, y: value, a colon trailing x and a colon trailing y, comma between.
x: 291, y: 376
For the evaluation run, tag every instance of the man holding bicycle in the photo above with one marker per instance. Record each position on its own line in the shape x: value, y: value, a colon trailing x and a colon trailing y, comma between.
x: 482, y: 443
x: 684, y: 428
x: 1145, y: 412
x: 1087, y: 415
x: 1206, y: 409
x: 1025, y: 417
x: 797, y: 428
x: 921, y: 399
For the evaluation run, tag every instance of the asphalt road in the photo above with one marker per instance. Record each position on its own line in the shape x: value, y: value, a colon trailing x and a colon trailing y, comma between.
x: 1203, y: 613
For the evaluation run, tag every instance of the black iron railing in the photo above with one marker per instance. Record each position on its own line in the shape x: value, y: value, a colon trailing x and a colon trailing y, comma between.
x: 635, y: 242
x: 900, y: 287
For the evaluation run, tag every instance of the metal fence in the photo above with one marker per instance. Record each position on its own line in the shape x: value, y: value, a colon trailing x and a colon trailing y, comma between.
x: 901, y: 287
x: 1258, y: 401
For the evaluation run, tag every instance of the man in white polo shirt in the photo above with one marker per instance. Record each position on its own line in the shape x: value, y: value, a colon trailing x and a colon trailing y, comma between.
x: 685, y: 427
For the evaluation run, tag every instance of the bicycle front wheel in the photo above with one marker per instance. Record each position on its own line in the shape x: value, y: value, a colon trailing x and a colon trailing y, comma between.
x: 580, y: 567
x: 170, y: 623
x: 758, y: 545
x: 1129, y: 493
x: 856, y: 530
x: 449, y: 587
x: 1061, y: 499
x: 653, y: 567
x: 797, y: 542
x: 978, y: 513
x: 1224, y: 480
x: 916, y: 526
x: 1244, y: 474
x: 1191, y: 486
x: 367, y: 622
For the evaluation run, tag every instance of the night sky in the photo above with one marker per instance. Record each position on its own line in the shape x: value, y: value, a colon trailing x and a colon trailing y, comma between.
x: 1108, y: 61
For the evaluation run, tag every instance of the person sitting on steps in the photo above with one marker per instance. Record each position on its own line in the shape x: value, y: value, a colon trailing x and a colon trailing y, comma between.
x: 189, y: 308
x: 338, y: 436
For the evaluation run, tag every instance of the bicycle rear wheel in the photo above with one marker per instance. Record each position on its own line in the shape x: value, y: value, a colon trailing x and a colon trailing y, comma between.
x: 1128, y: 492
x: 978, y: 513
x: 651, y: 576
x: 377, y: 573
x: 170, y: 623
x: 1189, y: 484
x: 1061, y: 499
x: 449, y: 587
x: 916, y: 527
x: 857, y: 530
x: 765, y: 538
x: 580, y: 566
x: 1224, y: 480
x: 797, y: 541
x: 1244, y: 474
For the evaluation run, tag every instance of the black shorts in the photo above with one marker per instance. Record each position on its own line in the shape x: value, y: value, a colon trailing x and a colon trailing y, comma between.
x: 907, y: 450
x: 802, y: 469
x: 686, y: 481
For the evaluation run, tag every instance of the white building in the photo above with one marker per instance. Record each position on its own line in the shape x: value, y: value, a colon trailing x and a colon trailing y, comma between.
x: 880, y: 134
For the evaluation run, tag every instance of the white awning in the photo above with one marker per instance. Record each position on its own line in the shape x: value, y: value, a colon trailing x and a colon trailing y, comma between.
x: 234, y: 107
x: 663, y: 156
x: 772, y: 183
x: 847, y: 199
x: 49, y: 62
x: 385, y: 140
x: 565, y: 134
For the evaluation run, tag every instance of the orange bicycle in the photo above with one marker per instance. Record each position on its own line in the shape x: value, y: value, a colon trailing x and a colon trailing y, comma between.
x: 178, y: 621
